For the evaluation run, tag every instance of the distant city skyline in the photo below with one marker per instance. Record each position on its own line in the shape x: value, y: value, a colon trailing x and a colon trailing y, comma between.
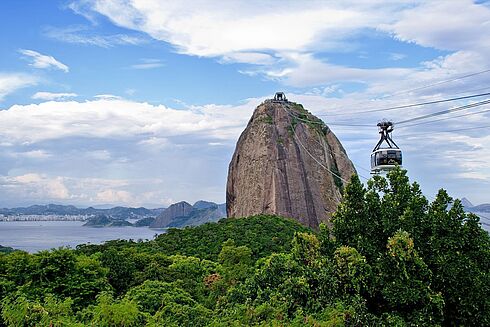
x: 140, y: 103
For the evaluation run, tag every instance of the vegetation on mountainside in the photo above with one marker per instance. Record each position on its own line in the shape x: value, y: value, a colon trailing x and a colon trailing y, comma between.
x: 391, y: 258
x: 5, y: 249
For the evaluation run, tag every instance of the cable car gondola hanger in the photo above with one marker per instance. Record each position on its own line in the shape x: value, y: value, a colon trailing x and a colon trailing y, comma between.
x: 385, y: 158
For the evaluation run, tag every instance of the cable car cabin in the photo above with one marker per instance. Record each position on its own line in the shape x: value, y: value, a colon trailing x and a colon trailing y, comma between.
x: 386, y: 158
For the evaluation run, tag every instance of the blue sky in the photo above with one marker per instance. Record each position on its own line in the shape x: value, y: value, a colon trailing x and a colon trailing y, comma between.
x: 141, y: 102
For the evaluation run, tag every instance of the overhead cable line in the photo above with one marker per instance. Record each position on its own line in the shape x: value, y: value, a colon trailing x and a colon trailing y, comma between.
x: 438, y: 83
x: 443, y: 112
x: 472, y: 90
x: 336, y: 153
x: 412, y: 105
x: 351, y: 125
x: 452, y: 117
x: 308, y: 152
x: 448, y: 131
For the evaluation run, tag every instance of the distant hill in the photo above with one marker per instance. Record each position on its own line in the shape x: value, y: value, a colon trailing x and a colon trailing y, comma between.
x: 105, y: 221
x: 179, y: 214
x: 485, y: 207
x: 69, y: 210
x: 466, y: 203
x: 183, y: 214
x: 6, y: 249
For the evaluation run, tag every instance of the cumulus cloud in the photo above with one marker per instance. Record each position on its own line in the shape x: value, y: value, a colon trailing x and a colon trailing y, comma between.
x: 283, y: 40
x: 309, y: 71
x: 118, y: 118
x: 113, y: 196
x: 41, y: 61
x: 215, y: 29
x: 254, y: 32
x: 10, y: 82
x: 53, y: 96
x: 37, y: 186
x: 448, y: 25
x: 121, y: 150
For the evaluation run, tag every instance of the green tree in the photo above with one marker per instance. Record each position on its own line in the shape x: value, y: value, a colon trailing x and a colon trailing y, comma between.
x: 450, y: 253
x: 121, y: 267
x: 403, y: 284
x: 114, y: 313
x: 19, y: 311
x: 236, y: 261
x: 61, y: 273
x: 151, y: 296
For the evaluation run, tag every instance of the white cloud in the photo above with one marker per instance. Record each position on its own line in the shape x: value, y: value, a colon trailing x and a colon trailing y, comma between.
x: 99, y: 155
x: 10, y: 82
x: 237, y: 29
x: 449, y: 25
x: 283, y: 40
x: 118, y: 150
x: 83, y: 35
x: 257, y: 58
x: 27, y: 178
x: 148, y: 64
x: 53, y: 96
x: 33, y: 154
x: 37, y: 186
x: 107, y: 97
x: 117, y: 118
x: 309, y: 71
x: 397, y: 56
x: 114, y: 196
x: 41, y: 61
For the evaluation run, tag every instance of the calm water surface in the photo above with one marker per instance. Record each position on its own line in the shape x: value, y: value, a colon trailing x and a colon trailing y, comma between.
x: 33, y: 236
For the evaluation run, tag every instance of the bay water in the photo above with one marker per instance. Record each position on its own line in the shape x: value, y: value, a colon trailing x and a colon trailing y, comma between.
x: 33, y: 236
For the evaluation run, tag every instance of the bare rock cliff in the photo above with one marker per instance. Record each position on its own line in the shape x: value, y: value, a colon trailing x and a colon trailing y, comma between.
x: 175, y: 210
x: 279, y: 166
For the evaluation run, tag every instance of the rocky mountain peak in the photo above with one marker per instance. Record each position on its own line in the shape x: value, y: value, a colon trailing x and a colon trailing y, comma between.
x: 178, y: 209
x: 287, y: 162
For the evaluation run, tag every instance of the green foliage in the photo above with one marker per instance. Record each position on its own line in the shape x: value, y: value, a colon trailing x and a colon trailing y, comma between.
x: 389, y: 259
x: 6, y: 249
x: 19, y: 311
x: 176, y: 314
x: 267, y: 120
x: 235, y: 261
x: 262, y: 234
x: 435, y: 266
x: 153, y: 295
x: 114, y: 313
x: 351, y: 271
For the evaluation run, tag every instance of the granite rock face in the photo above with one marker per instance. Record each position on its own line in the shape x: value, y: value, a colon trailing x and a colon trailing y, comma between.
x: 182, y: 214
x: 279, y: 166
x: 178, y: 209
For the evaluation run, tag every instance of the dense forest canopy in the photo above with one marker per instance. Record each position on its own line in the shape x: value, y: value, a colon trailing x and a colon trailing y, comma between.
x: 389, y: 258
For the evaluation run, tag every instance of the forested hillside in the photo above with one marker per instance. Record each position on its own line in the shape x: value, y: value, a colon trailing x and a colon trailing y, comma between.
x: 390, y: 258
